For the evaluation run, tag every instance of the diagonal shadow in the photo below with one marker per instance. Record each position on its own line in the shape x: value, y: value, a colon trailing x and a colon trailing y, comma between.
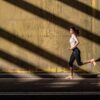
x: 97, y: 60
x: 34, y: 49
x: 53, y: 19
x: 23, y: 64
x: 82, y: 7
x: 31, y: 47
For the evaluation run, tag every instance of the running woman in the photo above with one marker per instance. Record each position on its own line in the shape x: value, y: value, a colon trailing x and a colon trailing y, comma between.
x: 74, y: 42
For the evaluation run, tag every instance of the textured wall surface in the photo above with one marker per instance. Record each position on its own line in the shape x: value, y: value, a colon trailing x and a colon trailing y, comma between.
x: 34, y: 34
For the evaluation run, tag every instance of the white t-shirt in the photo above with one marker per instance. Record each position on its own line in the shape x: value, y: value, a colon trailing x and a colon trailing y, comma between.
x: 73, y: 40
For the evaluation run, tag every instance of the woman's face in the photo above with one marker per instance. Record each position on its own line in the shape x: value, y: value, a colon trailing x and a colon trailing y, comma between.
x: 71, y: 31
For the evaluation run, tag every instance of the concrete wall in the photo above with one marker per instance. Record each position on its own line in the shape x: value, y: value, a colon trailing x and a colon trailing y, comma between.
x: 34, y: 34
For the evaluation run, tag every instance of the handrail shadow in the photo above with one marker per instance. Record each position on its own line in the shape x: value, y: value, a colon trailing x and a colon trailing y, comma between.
x: 23, y: 64
x: 82, y: 7
x: 53, y: 19
x: 32, y: 48
x: 97, y: 60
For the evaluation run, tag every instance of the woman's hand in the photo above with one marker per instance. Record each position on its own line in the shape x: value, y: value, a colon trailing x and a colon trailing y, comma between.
x: 69, y: 49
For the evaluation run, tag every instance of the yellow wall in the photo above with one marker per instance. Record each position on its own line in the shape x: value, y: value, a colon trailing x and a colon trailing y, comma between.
x: 34, y: 34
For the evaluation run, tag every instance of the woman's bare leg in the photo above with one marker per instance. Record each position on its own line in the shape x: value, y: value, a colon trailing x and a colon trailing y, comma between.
x: 92, y: 61
x: 72, y: 72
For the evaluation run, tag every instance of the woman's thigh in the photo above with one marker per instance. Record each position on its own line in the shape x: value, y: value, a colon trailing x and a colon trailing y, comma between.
x: 77, y: 56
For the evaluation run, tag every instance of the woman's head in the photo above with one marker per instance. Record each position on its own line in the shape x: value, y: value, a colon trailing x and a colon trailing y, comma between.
x: 73, y: 30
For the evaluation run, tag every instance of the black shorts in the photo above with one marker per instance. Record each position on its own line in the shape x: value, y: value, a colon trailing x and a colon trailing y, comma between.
x: 75, y: 56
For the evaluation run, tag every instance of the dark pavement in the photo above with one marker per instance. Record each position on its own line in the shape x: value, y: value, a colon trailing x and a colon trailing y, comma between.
x: 47, y: 85
x: 42, y: 84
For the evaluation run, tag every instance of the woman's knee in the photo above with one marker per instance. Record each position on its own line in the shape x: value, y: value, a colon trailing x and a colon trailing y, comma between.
x: 79, y: 63
x: 70, y: 64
